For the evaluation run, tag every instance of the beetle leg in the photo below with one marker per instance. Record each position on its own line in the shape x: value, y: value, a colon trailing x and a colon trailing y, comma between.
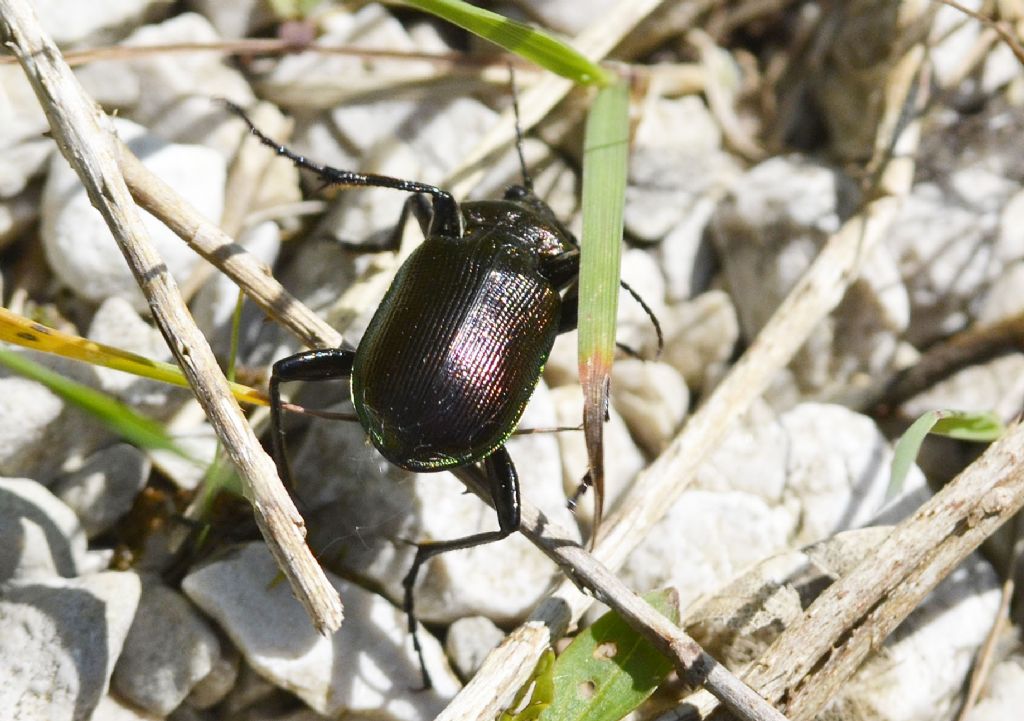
x: 563, y: 269
x: 313, y: 365
x: 570, y: 311
x: 503, y: 482
x: 419, y: 206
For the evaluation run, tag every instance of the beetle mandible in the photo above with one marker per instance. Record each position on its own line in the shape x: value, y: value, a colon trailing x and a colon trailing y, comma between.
x: 453, y: 353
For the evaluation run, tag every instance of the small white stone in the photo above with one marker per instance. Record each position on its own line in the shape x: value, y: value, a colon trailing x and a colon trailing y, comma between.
x: 40, y: 537
x: 171, y: 93
x: 199, y: 443
x: 111, y: 708
x: 24, y: 162
x: 705, y: 539
x: 622, y: 458
x: 944, y: 257
x: 366, y: 667
x: 779, y: 214
x: 78, y: 244
x: 634, y: 327
x: 468, y: 642
x: 104, y: 489
x: 28, y: 414
x: 1005, y: 297
x: 955, y: 41
x: 61, y: 639
x: 837, y: 469
x: 216, y: 685
x: 751, y: 458
x: 1003, y: 695
x: 315, y: 81
x: 569, y: 18
x: 18, y: 213
x: 562, y: 367
x: 237, y: 19
x: 652, y: 399
x: 34, y: 421
x: 996, y: 385
x: 169, y: 649
x: 25, y: 151
x: 701, y: 336
x: 95, y: 23
x: 768, y: 233
x: 676, y: 163
x: 1001, y: 68
x: 687, y: 258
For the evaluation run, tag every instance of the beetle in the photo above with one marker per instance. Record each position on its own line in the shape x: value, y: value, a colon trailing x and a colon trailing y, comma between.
x: 456, y: 347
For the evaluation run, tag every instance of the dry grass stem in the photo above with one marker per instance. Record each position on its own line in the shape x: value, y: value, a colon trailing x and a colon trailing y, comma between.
x: 986, y: 654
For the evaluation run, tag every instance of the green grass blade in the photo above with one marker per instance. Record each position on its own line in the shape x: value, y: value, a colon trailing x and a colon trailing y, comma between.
x: 139, y: 430
x: 605, y: 155
x: 523, y: 40
x: 609, y: 669
x: 981, y: 427
x: 36, y: 336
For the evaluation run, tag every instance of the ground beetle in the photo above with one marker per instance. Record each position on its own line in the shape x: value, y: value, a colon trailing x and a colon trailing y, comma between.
x: 455, y: 350
x: 456, y: 347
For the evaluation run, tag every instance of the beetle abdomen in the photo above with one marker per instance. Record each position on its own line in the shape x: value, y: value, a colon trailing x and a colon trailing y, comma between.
x: 454, y: 351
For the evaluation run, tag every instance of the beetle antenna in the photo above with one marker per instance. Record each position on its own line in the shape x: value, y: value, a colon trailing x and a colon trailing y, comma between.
x: 650, y: 314
x: 527, y: 180
x: 447, y: 217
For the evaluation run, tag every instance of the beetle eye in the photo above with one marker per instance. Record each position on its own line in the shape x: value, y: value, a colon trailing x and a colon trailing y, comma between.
x: 516, y: 192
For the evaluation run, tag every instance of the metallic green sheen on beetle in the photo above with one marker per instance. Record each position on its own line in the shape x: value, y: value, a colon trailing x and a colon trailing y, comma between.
x: 455, y: 350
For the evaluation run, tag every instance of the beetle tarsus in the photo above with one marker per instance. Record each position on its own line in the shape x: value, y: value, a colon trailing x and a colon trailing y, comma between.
x: 580, y: 491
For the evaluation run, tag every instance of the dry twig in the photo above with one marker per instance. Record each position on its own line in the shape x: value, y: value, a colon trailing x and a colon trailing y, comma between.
x: 869, y: 603
x: 75, y: 122
x: 588, y: 573
x: 972, y: 346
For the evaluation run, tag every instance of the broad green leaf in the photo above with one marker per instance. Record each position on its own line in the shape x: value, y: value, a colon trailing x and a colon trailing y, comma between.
x: 24, y: 332
x: 131, y: 426
x: 541, y: 689
x: 527, y: 42
x: 982, y: 427
x: 609, y: 669
x: 605, y: 154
